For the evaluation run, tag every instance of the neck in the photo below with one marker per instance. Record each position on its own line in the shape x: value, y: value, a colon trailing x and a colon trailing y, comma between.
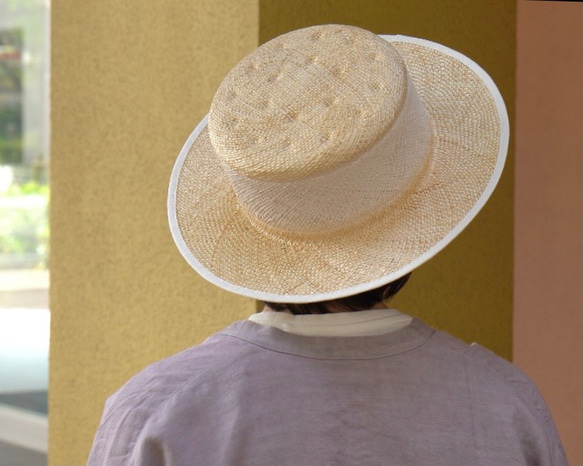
x: 335, y: 308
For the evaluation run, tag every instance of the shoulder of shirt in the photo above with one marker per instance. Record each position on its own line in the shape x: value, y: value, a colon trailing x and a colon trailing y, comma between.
x: 527, y: 401
x: 483, y: 360
x: 493, y: 365
x: 151, y: 387
x: 487, y: 369
x: 146, y: 395
x: 203, y: 364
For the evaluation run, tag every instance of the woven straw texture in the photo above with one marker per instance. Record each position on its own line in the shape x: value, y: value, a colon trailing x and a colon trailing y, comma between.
x: 443, y: 185
x: 313, y: 93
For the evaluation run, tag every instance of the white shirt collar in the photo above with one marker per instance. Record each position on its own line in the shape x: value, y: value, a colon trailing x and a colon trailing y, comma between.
x: 341, y: 324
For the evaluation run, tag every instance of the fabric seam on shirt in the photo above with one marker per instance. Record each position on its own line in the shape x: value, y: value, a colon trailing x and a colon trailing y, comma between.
x: 548, y: 422
x: 527, y: 382
x: 254, y: 343
x: 471, y: 395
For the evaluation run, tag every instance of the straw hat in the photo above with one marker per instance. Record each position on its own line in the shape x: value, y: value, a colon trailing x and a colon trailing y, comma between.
x: 334, y: 161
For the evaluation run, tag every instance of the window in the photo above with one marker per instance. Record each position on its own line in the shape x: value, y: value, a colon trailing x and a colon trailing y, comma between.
x: 24, y: 223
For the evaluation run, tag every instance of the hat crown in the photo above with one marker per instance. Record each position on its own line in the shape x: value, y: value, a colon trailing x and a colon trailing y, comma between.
x: 307, y: 102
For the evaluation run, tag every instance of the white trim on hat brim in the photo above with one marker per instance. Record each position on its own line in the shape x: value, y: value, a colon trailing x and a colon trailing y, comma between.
x: 263, y: 296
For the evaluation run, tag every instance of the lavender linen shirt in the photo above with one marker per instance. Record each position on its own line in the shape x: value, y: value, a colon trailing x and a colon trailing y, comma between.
x: 255, y: 395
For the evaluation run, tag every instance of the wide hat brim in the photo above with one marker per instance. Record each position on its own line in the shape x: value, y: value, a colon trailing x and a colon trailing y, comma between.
x: 470, y: 141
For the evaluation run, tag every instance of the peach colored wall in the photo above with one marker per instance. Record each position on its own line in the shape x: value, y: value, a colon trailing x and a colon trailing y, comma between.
x: 548, y: 210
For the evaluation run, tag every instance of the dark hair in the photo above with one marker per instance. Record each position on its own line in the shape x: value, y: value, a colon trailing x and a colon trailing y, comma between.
x: 357, y: 302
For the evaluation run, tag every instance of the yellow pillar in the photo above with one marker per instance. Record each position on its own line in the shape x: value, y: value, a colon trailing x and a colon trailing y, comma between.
x: 130, y: 80
x: 467, y: 288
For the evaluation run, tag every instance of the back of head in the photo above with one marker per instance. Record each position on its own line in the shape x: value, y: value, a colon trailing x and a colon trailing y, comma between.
x: 359, y: 302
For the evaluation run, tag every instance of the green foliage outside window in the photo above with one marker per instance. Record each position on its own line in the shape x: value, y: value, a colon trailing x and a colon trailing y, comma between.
x: 24, y: 193
x: 10, y: 134
x: 24, y: 223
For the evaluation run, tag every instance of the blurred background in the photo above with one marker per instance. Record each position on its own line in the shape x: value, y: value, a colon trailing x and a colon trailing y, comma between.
x: 131, y: 79
x: 24, y: 230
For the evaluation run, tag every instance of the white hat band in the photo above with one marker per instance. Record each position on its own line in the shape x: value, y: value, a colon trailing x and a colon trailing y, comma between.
x: 350, y: 193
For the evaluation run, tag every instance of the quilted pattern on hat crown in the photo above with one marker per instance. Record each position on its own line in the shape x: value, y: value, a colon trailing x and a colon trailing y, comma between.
x: 307, y: 102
